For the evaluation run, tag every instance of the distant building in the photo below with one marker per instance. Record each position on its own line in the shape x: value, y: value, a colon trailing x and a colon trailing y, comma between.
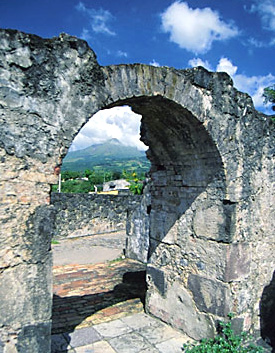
x: 113, y: 185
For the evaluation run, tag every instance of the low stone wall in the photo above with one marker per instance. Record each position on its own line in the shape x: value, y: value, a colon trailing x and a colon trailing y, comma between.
x: 83, y: 214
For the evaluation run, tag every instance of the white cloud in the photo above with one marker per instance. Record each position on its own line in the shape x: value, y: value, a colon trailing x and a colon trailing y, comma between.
x: 99, y: 19
x: 257, y: 43
x: 121, y: 54
x: 154, y: 63
x: 85, y: 34
x: 118, y: 122
x: 225, y: 65
x: 195, y: 29
x: 253, y: 85
x: 199, y: 62
x: 266, y: 10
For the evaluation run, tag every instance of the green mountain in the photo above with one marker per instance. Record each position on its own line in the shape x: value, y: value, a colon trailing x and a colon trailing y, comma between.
x: 111, y: 155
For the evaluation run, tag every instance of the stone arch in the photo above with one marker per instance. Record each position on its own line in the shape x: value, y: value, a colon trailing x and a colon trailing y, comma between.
x: 184, y: 158
x: 50, y: 88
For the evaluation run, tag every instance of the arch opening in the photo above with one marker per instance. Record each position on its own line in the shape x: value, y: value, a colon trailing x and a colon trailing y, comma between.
x: 182, y: 208
x: 95, y: 224
x: 184, y: 162
x: 186, y: 172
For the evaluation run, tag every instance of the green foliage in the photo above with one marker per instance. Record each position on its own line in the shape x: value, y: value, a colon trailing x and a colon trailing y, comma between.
x: 136, y: 184
x: 70, y: 174
x: 116, y: 175
x: 226, y: 341
x: 88, y: 173
x: 136, y: 187
x: 269, y: 97
x: 76, y: 186
x: 118, y: 259
x: 54, y: 188
x: 72, y: 181
x: 269, y: 94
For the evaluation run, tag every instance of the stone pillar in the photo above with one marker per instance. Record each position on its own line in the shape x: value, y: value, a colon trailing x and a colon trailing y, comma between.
x: 26, y: 261
x: 138, y: 227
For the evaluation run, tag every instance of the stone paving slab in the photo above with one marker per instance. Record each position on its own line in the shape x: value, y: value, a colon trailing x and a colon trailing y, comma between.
x: 158, y: 333
x: 112, y: 329
x: 149, y: 336
x: 103, y: 346
x: 173, y: 345
x: 83, y: 337
x: 138, y: 321
x: 130, y: 343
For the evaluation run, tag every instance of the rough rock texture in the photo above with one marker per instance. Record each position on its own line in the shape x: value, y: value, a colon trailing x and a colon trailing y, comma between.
x: 209, y: 215
x: 83, y: 214
x: 138, y: 228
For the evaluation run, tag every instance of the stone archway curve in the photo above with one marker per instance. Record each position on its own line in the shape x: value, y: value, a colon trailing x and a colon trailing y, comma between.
x: 49, y: 89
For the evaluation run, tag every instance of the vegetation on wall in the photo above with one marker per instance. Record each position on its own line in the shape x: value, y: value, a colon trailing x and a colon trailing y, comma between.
x: 226, y: 341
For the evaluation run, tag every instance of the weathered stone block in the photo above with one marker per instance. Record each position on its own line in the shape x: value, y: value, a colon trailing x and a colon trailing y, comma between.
x: 238, y: 262
x: 210, y: 296
x: 177, y: 308
x: 35, y: 338
x: 157, y: 278
x: 215, y: 220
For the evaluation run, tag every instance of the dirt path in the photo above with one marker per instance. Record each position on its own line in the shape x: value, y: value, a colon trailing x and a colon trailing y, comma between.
x: 89, y: 250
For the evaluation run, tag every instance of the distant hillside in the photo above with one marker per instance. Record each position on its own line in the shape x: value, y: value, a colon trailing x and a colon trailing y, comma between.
x: 110, y: 155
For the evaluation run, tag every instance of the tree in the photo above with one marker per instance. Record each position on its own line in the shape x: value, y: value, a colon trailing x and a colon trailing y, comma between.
x: 269, y: 95
x: 116, y: 174
x: 88, y: 173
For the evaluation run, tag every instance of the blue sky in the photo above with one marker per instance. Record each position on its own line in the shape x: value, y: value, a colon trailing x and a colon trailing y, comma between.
x: 236, y: 36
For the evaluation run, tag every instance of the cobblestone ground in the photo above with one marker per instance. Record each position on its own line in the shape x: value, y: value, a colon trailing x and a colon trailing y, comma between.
x: 98, y: 308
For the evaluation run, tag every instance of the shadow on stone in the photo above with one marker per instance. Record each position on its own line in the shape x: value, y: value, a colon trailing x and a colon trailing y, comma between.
x: 69, y: 312
x: 267, y: 314
x: 185, y: 161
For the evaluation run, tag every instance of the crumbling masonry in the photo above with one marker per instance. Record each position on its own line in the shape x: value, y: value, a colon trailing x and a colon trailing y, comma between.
x: 206, y: 223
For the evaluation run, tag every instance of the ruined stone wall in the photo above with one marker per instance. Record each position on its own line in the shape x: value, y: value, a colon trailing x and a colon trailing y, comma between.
x: 208, y: 211
x: 43, y: 104
x: 86, y: 214
x: 211, y: 212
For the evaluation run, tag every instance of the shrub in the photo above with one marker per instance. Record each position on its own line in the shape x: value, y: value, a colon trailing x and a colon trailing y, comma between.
x: 226, y: 341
